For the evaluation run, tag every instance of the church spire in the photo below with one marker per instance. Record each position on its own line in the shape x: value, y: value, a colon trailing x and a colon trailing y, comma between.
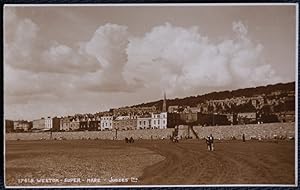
x: 164, y: 108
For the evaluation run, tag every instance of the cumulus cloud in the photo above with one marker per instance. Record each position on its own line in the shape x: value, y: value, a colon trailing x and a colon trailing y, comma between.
x: 26, y: 49
x: 108, y: 45
x: 59, y: 58
x: 179, y: 60
x: 183, y: 61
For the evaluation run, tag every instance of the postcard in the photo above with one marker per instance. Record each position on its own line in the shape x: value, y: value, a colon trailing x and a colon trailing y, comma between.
x: 150, y: 95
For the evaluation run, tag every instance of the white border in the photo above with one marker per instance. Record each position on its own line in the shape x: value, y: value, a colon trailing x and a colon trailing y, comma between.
x: 296, y: 95
x: 4, y: 126
x: 151, y: 5
x: 169, y: 5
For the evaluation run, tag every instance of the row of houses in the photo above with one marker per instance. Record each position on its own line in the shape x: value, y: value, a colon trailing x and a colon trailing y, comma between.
x: 151, y: 121
x: 76, y: 123
x: 18, y: 126
x: 198, y: 118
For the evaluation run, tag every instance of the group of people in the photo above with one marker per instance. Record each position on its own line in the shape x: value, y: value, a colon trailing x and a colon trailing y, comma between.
x: 210, y: 142
x: 174, y: 139
x: 127, y: 140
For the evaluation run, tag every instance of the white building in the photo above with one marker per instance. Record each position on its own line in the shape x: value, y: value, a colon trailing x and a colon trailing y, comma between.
x: 106, y: 123
x: 48, y: 123
x: 143, y: 123
x: 159, y: 120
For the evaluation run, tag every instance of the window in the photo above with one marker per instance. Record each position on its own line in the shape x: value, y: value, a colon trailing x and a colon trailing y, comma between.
x: 158, y: 122
x: 144, y: 122
x: 154, y: 122
x: 140, y: 122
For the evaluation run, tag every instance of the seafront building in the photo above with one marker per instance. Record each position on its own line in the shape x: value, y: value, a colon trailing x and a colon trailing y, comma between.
x: 124, y: 123
x: 39, y: 124
x: 9, y: 126
x: 65, y: 123
x: 48, y: 123
x: 74, y: 124
x: 144, y: 122
x: 159, y: 120
x: 106, y: 123
x: 21, y: 125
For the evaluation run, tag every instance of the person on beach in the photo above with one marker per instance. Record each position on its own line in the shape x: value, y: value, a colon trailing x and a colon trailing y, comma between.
x: 211, y: 142
x: 208, y: 142
x: 131, y: 140
x: 244, y: 137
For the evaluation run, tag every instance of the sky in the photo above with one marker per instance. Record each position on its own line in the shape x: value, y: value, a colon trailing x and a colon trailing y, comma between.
x: 62, y: 60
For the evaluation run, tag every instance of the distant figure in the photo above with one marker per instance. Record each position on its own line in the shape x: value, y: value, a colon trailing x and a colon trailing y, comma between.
x: 131, y: 140
x: 244, y: 137
x: 208, y: 142
x: 211, y: 142
x: 126, y: 140
x: 174, y: 139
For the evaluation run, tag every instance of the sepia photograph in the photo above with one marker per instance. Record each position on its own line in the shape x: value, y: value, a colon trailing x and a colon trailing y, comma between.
x: 150, y: 95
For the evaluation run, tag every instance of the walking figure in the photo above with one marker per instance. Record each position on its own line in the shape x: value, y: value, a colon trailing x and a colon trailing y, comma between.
x: 176, y: 140
x: 244, y: 138
x: 208, y: 142
x: 211, y: 140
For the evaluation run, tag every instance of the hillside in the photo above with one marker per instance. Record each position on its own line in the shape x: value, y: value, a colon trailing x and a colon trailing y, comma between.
x: 247, y: 92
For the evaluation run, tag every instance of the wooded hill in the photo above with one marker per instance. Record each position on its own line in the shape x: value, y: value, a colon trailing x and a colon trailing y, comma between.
x: 247, y: 92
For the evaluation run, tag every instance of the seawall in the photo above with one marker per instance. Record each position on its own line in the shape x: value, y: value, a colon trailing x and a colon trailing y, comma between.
x: 219, y: 132
x: 266, y: 131
x: 121, y: 135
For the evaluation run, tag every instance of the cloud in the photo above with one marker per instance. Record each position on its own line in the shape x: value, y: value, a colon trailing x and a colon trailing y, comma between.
x: 179, y: 60
x: 59, y: 58
x: 108, y: 45
x: 26, y: 49
x: 41, y: 72
x: 239, y: 28
x: 183, y: 61
x: 24, y: 86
